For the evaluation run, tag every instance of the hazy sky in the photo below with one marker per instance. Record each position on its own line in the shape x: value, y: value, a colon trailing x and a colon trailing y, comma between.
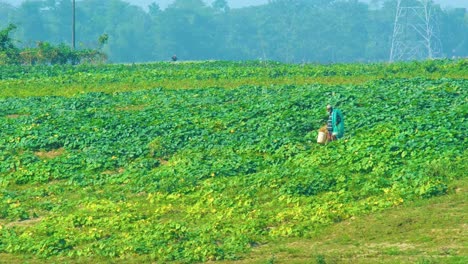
x: 242, y: 3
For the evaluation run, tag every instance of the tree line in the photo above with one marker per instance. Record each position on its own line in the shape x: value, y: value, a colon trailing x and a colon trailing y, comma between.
x: 45, y: 52
x: 321, y: 31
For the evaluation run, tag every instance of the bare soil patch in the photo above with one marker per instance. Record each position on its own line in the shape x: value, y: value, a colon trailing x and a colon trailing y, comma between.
x: 50, y: 154
x: 14, y: 116
x: 113, y: 172
x: 27, y: 222
x: 131, y: 108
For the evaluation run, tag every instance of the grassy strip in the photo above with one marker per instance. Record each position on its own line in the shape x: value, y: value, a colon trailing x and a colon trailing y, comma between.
x: 424, y: 231
x: 27, y: 88
x: 22, y: 89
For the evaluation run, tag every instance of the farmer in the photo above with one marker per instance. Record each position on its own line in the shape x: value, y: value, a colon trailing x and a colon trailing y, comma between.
x: 335, y: 125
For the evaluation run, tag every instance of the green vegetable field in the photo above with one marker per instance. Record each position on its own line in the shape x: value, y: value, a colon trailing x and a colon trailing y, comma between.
x: 206, y: 161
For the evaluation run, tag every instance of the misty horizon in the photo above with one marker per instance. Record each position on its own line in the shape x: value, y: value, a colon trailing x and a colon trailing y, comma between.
x: 341, y: 31
x: 244, y: 3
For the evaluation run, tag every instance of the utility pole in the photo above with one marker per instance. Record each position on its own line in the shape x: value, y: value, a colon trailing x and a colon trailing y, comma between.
x: 73, y: 24
x: 414, y: 31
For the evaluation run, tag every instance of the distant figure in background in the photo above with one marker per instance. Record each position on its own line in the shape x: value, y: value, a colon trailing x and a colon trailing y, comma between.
x: 335, y: 124
x: 174, y: 57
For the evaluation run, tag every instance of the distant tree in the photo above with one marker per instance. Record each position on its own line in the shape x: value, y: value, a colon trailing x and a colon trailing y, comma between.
x: 350, y: 34
x: 188, y: 4
x: 7, y: 11
x: 6, y: 42
x: 45, y: 52
x: 283, y: 30
x: 9, y: 53
x: 454, y: 32
x: 379, y: 30
x: 127, y: 26
x: 154, y: 9
x: 220, y: 6
x: 31, y: 22
x: 102, y: 40
x: 240, y: 34
x: 56, y: 19
x: 185, y: 27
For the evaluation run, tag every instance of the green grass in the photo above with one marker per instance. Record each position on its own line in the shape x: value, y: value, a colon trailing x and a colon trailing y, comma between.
x: 27, y: 81
x: 425, y: 231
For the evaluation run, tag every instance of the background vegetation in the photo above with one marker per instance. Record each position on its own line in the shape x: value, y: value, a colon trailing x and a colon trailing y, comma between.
x: 45, y: 53
x: 282, y: 30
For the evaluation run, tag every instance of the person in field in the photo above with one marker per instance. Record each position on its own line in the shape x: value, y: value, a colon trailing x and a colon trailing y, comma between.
x: 335, y: 124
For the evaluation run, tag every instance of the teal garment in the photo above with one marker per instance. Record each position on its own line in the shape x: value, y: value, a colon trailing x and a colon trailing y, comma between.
x: 338, y: 129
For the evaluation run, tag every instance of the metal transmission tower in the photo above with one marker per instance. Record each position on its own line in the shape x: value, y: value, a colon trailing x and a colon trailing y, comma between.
x: 415, y: 31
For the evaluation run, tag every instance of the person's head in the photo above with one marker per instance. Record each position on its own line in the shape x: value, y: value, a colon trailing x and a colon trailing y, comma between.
x: 329, y: 108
